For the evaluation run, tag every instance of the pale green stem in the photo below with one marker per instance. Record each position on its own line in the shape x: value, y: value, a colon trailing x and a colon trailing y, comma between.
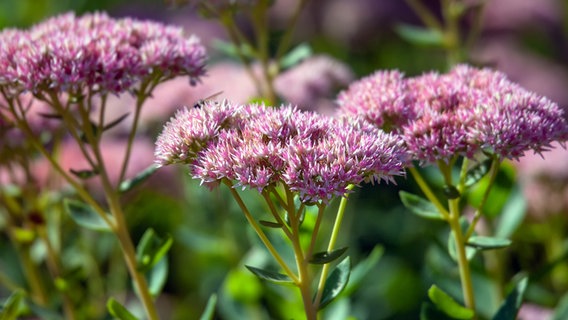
x: 452, y: 32
x: 284, y: 44
x: 275, y: 214
x: 331, y: 245
x: 428, y: 192
x: 261, y: 234
x: 463, y: 263
x: 316, y: 231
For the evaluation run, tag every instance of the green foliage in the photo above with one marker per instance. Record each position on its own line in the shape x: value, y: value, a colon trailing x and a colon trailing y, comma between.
x: 151, y: 249
x: 138, y: 179
x: 448, y: 305
x: 336, y: 282
x: 420, y: 36
x: 118, y: 310
x: 420, y: 206
x: 209, y: 311
x: 477, y: 172
x: 85, y: 216
x: 327, y: 256
x: 269, y: 275
x: 487, y: 243
x: 513, y: 302
x: 295, y: 56
x: 12, y: 307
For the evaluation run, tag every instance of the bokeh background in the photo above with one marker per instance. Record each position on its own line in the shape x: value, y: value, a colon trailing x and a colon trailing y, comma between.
x: 526, y: 39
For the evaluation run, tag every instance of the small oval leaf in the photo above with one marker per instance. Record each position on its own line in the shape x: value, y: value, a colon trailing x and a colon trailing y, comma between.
x: 209, y: 311
x: 295, y: 56
x: 488, y: 243
x: 12, y: 307
x: 138, y: 179
x: 451, y: 192
x: 327, y: 257
x: 336, y: 282
x: 448, y: 305
x: 269, y: 275
x: 119, y: 311
x: 151, y: 249
x: 270, y: 224
x: 469, y: 251
x: 157, y: 277
x: 420, y: 206
x: 477, y: 172
x: 84, y: 174
x: 419, y: 35
x: 115, y: 122
x: 510, y: 307
x: 85, y: 216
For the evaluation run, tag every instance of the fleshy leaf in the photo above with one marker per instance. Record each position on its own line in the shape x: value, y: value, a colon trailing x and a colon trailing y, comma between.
x: 510, y: 308
x: 86, y: 216
x: 419, y: 35
x: 327, y: 257
x: 209, y: 311
x: 469, y: 251
x: 451, y: 192
x: 477, y: 172
x: 420, y: 206
x: 138, y: 179
x: 448, y: 305
x: 157, y: 277
x: 512, y: 214
x: 299, y: 53
x: 336, y: 282
x: 84, y: 174
x: 270, y: 224
x: 269, y: 275
x: 561, y: 311
x: 487, y: 243
x: 118, y: 310
x: 151, y: 249
x: 11, y: 308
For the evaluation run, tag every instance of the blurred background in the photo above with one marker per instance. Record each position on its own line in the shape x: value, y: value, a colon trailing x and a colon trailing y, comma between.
x: 526, y: 39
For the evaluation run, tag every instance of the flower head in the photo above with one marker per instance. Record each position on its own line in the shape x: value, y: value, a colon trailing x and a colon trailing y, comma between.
x: 258, y: 147
x: 95, y: 51
x: 459, y: 113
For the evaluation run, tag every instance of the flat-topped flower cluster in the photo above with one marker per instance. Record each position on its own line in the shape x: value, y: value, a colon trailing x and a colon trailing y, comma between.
x: 258, y: 147
x: 460, y: 113
x: 97, y: 53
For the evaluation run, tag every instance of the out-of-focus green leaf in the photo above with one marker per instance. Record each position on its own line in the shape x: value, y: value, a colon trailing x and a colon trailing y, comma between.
x: 510, y: 308
x: 512, y: 215
x: 452, y: 250
x: 151, y: 249
x: 84, y: 174
x: 11, y: 308
x: 157, y: 277
x: 115, y: 122
x: 487, y: 243
x: 477, y: 172
x: 138, y: 179
x: 269, y: 275
x: 336, y: 282
x: 428, y: 311
x: 231, y: 50
x: 299, y: 53
x: 419, y: 35
x: 561, y: 311
x: 448, y: 305
x: 270, y: 224
x: 363, y: 268
x: 451, y: 192
x: 420, y: 206
x: 209, y: 311
x: 85, y: 216
x: 118, y: 310
x: 327, y: 257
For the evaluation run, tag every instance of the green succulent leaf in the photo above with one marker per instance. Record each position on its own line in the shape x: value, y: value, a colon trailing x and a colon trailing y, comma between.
x: 85, y: 216
x: 448, y: 305
x: 209, y: 311
x: 336, y: 282
x: 296, y: 55
x: 157, y: 277
x: 488, y: 243
x: 11, y: 308
x: 363, y: 268
x: 469, y: 251
x: 138, y: 179
x: 429, y: 311
x: 477, y: 172
x: 269, y: 275
x: 270, y: 224
x: 84, y: 174
x: 151, y: 249
x: 451, y: 192
x: 510, y: 307
x: 419, y: 35
x: 118, y: 310
x: 327, y: 256
x: 420, y: 206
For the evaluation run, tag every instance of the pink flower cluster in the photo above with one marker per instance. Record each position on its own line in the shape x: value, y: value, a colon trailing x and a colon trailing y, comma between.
x: 256, y: 147
x: 460, y: 113
x: 70, y: 54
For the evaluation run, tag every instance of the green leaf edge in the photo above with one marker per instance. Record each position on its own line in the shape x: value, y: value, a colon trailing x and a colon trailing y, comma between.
x: 420, y: 206
x: 445, y: 303
x: 271, y: 276
x: 116, y: 309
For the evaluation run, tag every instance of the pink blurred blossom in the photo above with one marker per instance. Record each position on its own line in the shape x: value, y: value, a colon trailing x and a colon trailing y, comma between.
x: 534, y: 312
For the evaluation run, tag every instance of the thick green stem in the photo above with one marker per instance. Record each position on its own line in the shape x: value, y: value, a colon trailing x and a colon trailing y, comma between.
x: 428, y: 192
